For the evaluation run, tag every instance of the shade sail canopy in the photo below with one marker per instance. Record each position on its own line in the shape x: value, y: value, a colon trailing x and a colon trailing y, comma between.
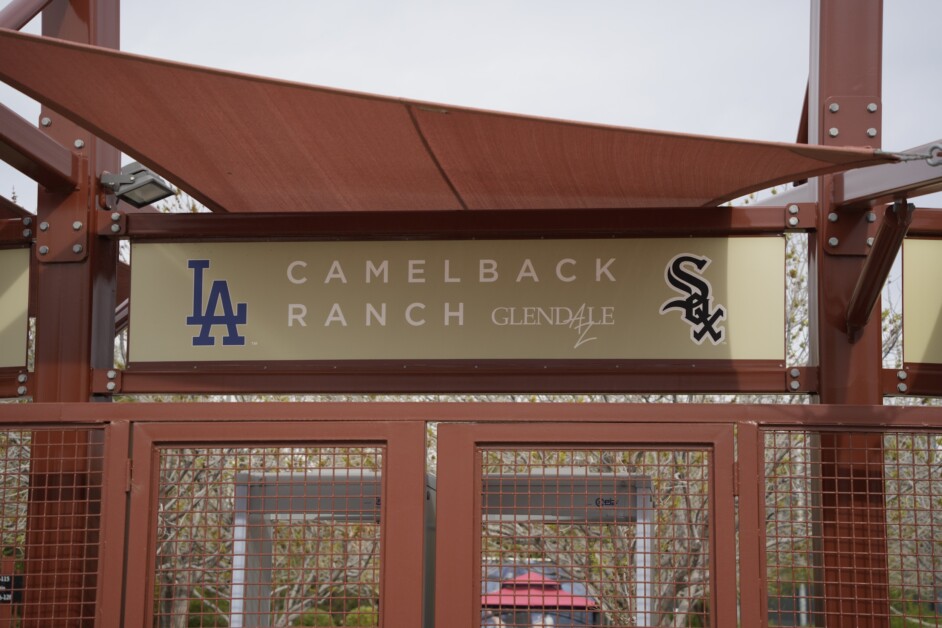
x: 246, y: 144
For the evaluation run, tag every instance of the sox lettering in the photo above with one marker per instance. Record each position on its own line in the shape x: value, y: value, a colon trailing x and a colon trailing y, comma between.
x: 697, y: 302
x: 207, y: 317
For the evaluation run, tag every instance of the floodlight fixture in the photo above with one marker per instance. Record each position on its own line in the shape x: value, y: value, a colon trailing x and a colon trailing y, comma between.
x: 137, y: 185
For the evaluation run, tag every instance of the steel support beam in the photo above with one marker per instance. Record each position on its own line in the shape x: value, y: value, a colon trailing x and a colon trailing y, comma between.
x: 575, y: 223
x: 886, y: 246
x: 35, y: 154
x: 74, y: 330
x: 464, y: 376
x: 844, y: 109
x: 880, y: 185
x: 19, y: 13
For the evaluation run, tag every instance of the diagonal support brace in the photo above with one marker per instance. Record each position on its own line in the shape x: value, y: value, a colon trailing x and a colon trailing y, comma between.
x: 886, y: 245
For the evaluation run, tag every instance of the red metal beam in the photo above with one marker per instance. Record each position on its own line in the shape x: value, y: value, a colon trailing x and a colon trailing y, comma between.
x: 19, y: 13
x: 11, y: 210
x: 913, y: 380
x: 879, y: 185
x: 844, y: 110
x: 886, y: 246
x: 35, y: 154
x: 927, y: 222
x: 14, y: 231
x: 449, y: 376
x: 575, y: 223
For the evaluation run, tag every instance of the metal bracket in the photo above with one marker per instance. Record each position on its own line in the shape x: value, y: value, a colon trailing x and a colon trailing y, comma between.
x: 62, y: 236
x: 106, y: 381
x: 849, y: 231
x: 801, y: 380
x: 112, y: 223
x: 801, y: 216
x: 852, y: 121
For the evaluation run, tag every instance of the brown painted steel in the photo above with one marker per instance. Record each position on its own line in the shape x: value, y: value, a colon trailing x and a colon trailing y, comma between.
x: 878, y: 185
x: 246, y: 144
x: 18, y: 13
x: 74, y: 329
x: 846, y: 70
x: 13, y: 231
x: 886, y: 246
x: 458, y: 583
x: 916, y: 380
x: 14, y: 382
x: 927, y: 222
x: 35, y: 154
x: 403, y: 502
x: 9, y: 209
x: 382, y: 376
x: 496, y: 224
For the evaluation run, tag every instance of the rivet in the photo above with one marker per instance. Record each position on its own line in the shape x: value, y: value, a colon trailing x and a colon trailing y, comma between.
x: 794, y: 384
x: 44, y: 226
x: 869, y: 241
x: 76, y: 225
x: 46, y: 121
x: 132, y: 178
x: 79, y: 143
x: 793, y: 221
x: 902, y: 387
x: 872, y: 107
x: 832, y: 217
x: 77, y: 248
x: 793, y: 209
x: 27, y: 233
x: 115, y: 216
x: 43, y: 250
x: 871, y: 217
x: 834, y: 131
x: 111, y: 386
x: 115, y: 228
x: 901, y: 374
x: 21, y: 391
x: 834, y: 107
x: 794, y: 372
x: 27, y: 221
x: 871, y: 132
x: 112, y: 374
x: 22, y: 377
x: 834, y: 241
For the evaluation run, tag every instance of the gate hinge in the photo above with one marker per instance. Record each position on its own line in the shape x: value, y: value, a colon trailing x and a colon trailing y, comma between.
x: 128, y: 475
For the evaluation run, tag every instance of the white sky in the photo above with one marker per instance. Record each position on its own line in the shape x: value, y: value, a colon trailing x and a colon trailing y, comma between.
x: 726, y: 67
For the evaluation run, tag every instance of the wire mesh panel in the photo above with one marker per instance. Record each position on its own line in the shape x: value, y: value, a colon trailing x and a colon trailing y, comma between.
x: 276, y: 536
x: 50, y: 507
x: 592, y: 537
x: 899, y: 476
x: 913, y: 471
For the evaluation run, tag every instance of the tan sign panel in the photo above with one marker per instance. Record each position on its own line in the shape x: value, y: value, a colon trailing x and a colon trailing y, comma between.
x: 922, y: 301
x: 14, y: 302
x: 683, y: 299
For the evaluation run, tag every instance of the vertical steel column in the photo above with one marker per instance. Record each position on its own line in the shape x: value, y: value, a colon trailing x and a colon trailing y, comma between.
x: 844, y: 109
x: 74, y: 332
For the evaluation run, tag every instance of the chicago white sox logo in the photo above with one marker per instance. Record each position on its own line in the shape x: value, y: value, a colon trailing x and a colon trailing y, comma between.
x: 697, y: 302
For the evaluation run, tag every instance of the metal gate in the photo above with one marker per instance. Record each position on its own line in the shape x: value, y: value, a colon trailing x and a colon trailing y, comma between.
x: 588, y: 524
x: 276, y: 524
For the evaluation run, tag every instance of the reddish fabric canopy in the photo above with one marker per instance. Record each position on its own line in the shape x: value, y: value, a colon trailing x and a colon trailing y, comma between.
x: 246, y: 144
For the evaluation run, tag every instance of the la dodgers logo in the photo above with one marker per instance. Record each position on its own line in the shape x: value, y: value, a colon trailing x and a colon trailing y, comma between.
x: 697, y: 302
x: 207, y: 317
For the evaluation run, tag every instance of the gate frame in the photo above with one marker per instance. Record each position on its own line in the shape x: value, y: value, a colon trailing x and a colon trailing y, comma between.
x: 402, y: 525
x: 458, y: 571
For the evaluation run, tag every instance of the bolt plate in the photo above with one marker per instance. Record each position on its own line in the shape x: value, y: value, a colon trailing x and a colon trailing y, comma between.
x: 851, y: 230
x: 60, y: 237
x: 852, y: 121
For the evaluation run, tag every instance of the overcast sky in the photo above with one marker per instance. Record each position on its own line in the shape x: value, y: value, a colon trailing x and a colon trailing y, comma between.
x: 723, y: 67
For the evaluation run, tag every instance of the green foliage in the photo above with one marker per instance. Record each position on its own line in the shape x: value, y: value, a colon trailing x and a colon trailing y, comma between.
x: 362, y: 616
x: 204, y: 615
x: 314, y: 618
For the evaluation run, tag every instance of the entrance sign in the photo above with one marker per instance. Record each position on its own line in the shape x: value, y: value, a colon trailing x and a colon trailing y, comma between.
x: 14, y: 303
x: 922, y: 301
x: 668, y: 299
